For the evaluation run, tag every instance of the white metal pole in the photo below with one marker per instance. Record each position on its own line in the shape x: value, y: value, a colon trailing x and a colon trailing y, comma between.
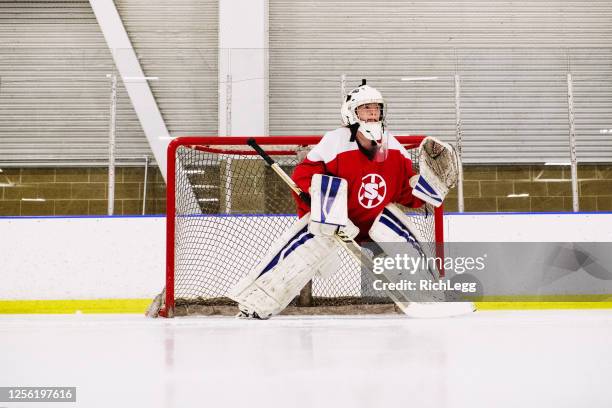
x: 228, y: 105
x: 144, y: 192
x: 459, y: 135
x: 111, y: 144
x: 228, y: 132
x: 572, y: 141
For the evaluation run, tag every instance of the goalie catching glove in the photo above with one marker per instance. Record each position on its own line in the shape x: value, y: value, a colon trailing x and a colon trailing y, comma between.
x: 439, y: 170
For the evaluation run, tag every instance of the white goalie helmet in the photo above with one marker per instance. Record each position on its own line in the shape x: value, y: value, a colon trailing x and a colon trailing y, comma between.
x: 364, y: 94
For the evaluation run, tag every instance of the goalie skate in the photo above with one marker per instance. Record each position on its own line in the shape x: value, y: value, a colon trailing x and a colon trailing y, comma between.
x: 245, y: 313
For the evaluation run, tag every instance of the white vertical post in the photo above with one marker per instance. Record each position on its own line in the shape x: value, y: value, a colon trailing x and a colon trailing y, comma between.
x: 144, y: 192
x: 228, y: 105
x: 111, y: 144
x: 243, y: 34
x: 228, y: 132
x: 459, y: 136
x: 572, y: 142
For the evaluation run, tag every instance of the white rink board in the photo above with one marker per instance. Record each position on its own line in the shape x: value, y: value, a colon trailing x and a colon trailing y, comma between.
x: 528, y: 227
x: 82, y: 258
x: 124, y: 257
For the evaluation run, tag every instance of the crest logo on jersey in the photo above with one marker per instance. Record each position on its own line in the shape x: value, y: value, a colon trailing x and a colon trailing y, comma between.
x: 372, y: 191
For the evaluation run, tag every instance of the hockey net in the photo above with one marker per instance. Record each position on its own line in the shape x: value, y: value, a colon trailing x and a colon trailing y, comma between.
x: 225, y: 208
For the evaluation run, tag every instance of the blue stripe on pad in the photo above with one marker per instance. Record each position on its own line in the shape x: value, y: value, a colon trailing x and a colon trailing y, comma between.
x: 425, y: 188
x: 400, y: 229
x: 324, y: 186
x: 418, y: 188
x: 335, y: 186
x: 298, y: 239
x: 424, y: 184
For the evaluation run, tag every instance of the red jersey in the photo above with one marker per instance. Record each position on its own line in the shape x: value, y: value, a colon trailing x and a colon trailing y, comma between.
x: 371, y: 184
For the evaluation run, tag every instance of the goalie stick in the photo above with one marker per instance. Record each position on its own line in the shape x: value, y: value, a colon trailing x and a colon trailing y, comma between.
x: 408, y: 307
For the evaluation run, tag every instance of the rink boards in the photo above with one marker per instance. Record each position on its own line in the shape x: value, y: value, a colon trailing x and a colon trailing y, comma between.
x: 117, y: 263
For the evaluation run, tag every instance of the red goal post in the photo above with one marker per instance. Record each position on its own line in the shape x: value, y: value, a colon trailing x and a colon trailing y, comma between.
x: 218, y: 192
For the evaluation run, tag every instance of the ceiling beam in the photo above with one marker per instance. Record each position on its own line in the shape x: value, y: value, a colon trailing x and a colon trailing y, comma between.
x: 136, y: 84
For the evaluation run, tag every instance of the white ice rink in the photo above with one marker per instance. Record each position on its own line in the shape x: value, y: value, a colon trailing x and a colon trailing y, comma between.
x: 490, y: 359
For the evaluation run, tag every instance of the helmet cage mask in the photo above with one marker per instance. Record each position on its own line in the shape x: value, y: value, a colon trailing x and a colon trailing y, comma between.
x: 373, y: 131
x: 363, y: 95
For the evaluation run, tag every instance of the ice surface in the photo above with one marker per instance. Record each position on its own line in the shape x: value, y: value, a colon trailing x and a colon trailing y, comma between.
x: 489, y: 359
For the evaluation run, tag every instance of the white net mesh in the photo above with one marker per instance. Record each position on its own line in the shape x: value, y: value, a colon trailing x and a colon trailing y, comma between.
x: 230, y: 207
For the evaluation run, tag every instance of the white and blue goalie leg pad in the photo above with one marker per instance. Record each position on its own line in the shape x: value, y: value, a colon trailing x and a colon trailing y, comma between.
x: 329, y: 266
x: 413, y: 258
x: 397, y: 233
x: 399, y: 237
x: 291, y: 262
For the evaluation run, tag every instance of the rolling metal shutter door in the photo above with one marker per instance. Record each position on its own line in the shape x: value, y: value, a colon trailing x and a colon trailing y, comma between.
x: 177, y: 42
x: 54, y: 94
x: 512, y: 58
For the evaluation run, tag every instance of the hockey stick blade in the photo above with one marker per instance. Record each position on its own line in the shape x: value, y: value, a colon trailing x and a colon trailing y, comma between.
x: 439, y: 309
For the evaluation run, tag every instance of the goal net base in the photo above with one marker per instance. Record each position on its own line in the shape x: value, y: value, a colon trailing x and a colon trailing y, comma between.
x: 320, y: 307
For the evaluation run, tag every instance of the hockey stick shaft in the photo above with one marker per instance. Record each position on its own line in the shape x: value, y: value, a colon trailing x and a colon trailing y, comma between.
x: 278, y: 170
x: 353, y: 248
